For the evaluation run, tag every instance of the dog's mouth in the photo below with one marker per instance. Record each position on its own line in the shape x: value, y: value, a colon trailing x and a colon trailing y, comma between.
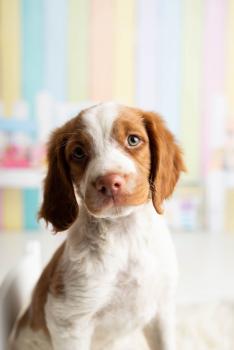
x: 115, y: 200
x: 99, y: 204
x: 114, y: 205
x: 110, y: 211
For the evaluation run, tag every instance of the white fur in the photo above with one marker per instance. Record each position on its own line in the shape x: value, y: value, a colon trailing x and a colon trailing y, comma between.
x: 99, y: 121
x: 119, y: 272
x: 115, y: 285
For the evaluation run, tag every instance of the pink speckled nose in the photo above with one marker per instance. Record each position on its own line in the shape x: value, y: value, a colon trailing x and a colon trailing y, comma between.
x: 110, y: 185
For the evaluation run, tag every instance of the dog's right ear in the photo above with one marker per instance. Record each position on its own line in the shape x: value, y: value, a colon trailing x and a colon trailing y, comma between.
x: 59, y: 206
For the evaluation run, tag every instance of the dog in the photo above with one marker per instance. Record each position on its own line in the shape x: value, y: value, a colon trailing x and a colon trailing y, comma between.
x: 109, y: 171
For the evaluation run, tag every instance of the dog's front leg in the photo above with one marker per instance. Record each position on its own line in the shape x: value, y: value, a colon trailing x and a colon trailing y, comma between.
x: 78, y: 338
x: 68, y: 329
x: 160, y: 332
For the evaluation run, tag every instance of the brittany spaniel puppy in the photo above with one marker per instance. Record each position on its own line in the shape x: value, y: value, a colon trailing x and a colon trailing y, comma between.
x: 109, y: 171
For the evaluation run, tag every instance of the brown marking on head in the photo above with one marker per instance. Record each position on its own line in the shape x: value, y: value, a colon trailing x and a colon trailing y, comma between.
x: 51, y: 280
x: 166, y: 159
x: 130, y: 122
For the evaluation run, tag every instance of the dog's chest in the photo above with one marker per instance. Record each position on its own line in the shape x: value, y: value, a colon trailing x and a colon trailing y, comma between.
x: 124, y: 280
x: 133, y: 298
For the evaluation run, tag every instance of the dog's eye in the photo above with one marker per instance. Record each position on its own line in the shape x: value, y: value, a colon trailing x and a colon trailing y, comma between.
x: 78, y: 153
x: 133, y: 140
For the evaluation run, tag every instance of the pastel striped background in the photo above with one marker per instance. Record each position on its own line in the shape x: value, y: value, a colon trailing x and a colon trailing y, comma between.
x: 173, y: 56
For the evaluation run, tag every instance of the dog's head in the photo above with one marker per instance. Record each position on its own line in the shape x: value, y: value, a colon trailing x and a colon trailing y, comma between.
x: 113, y: 158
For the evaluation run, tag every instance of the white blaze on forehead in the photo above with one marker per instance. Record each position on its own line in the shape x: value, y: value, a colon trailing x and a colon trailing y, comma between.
x: 113, y: 159
x: 109, y: 157
x: 99, y: 122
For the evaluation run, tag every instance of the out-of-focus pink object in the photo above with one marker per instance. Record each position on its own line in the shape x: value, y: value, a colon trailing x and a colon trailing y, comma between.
x: 15, y: 157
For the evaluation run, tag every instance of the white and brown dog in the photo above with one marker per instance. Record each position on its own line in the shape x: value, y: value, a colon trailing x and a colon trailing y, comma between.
x: 109, y: 170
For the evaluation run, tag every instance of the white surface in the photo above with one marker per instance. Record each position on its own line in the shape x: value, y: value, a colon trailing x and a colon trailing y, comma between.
x: 18, y: 178
x: 206, y: 326
x: 206, y: 261
x: 206, y: 264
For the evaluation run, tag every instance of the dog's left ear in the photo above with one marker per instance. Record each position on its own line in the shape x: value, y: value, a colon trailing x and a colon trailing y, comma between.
x: 166, y: 159
x: 59, y: 206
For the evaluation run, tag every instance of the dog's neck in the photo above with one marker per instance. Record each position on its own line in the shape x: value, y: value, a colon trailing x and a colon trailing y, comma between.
x: 95, y: 233
x: 86, y: 219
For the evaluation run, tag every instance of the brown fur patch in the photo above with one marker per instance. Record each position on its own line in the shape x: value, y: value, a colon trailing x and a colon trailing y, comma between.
x: 50, y: 281
x: 130, y: 122
x: 159, y: 158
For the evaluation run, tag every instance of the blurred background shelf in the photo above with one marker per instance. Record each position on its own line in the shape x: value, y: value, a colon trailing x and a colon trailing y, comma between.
x: 21, y: 178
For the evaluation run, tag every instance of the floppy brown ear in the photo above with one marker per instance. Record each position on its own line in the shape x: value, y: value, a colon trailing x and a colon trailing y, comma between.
x: 59, y: 206
x: 166, y: 159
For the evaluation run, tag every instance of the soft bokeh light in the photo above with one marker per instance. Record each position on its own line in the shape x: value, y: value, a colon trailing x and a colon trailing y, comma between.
x: 174, y: 57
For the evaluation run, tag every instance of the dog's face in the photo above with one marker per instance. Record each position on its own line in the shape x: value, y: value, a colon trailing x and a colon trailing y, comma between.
x: 114, y: 158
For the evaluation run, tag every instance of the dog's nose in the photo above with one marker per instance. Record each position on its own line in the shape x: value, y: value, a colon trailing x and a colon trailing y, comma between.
x: 110, y: 185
